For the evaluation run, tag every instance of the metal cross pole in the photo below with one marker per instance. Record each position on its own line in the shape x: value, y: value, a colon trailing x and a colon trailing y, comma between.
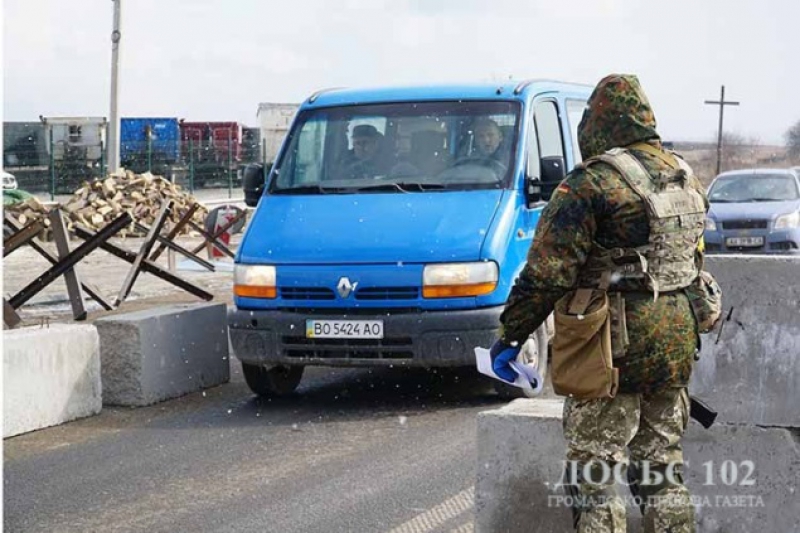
x: 146, y: 265
x: 211, y: 239
x: 71, y: 278
x: 187, y: 216
x: 166, y: 242
x: 69, y: 261
x: 144, y: 252
x: 721, y: 103
x: 10, y: 316
x: 90, y: 290
x: 22, y: 236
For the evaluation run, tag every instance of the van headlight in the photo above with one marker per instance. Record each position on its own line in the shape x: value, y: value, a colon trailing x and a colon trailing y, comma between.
x: 254, y: 281
x: 791, y: 220
x: 710, y: 224
x: 454, y: 280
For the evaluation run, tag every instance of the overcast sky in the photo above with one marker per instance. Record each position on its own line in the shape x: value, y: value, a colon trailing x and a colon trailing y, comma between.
x: 217, y: 59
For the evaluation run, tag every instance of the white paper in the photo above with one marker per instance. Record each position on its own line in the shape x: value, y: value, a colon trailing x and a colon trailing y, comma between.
x: 528, y: 378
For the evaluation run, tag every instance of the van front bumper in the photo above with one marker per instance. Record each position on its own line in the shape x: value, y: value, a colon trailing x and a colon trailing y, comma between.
x: 431, y: 339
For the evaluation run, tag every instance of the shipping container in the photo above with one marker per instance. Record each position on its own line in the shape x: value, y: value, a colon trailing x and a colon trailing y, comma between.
x: 155, y: 140
x: 211, y: 141
x: 24, y: 145
x: 274, y: 121
x: 75, y: 137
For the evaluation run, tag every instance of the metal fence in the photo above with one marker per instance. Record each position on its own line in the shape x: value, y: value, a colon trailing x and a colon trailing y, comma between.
x: 59, y: 168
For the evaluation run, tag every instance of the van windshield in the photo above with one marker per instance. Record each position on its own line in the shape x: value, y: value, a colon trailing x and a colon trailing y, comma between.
x: 400, y: 147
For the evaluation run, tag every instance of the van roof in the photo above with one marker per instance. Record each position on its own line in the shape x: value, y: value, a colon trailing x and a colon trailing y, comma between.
x: 507, y: 90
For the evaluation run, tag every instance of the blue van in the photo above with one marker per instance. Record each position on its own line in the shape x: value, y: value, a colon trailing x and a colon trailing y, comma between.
x: 393, y: 224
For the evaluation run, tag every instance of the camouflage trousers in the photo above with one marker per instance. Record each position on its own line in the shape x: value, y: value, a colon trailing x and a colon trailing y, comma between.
x: 649, y: 428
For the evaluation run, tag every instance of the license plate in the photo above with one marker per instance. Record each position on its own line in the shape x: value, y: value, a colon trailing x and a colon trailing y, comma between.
x: 745, y: 241
x: 344, y: 329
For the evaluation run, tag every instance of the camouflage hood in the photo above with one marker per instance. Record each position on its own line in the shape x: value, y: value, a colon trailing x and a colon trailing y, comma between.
x: 618, y: 115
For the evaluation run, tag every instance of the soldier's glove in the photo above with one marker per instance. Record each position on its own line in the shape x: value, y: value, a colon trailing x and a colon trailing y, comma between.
x: 502, y: 354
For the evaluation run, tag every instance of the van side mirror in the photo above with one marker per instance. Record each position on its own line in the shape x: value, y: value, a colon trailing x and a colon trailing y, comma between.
x: 253, y: 180
x: 539, y: 189
x: 553, y: 173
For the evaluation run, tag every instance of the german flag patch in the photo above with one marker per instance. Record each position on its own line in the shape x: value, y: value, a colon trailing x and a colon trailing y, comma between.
x: 563, y: 187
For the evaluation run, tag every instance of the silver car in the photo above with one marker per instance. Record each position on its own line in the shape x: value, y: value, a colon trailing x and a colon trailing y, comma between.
x: 754, y: 211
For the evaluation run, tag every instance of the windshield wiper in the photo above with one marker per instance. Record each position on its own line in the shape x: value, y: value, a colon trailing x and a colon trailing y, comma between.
x: 402, y: 187
x: 306, y: 189
x: 765, y: 200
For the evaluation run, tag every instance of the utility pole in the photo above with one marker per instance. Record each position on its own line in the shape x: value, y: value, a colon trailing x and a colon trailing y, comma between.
x: 113, y: 122
x: 721, y: 103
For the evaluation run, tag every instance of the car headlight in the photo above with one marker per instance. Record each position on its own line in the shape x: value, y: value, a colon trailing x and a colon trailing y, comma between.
x: 710, y: 224
x: 254, y: 281
x: 453, y: 280
x: 792, y: 220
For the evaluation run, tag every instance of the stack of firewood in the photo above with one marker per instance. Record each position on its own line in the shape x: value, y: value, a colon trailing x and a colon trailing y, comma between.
x: 97, y: 203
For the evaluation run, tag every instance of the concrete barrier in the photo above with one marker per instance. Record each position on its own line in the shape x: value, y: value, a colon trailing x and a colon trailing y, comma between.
x: 750, y: 372
x: 50, y: 376
x: 163, y: 353
x: 520, y: 462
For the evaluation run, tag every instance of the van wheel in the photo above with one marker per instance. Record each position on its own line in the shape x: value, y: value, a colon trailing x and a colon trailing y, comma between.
x: 280, y: 380
x: 535, y: 345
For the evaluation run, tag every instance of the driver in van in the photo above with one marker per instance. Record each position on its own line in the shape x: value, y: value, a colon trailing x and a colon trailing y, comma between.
x: 488, y: 140
x: 363, y: 160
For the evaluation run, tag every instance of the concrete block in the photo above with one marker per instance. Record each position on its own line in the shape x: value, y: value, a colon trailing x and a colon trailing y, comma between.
x: 50, y: 376
x: 520, y: 461
x: 157, y: 354
x: 750, y: 372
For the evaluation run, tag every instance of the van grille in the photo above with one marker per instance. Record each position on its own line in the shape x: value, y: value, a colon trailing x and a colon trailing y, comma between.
x: 387, y: 293
x: 372, y: 294
x: 304, y: 348
x: 307, y: 293
x: 744, y: 224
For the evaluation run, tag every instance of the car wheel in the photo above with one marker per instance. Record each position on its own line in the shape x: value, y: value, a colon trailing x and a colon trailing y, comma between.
x: 280, y: 380
x: 530, y: 354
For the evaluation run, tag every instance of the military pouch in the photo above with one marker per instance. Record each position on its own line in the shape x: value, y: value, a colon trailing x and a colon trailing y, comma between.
x: 705, y: 296
x: 582, y: 361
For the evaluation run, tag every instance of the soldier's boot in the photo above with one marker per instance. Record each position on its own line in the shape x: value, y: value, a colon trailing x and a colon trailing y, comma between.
x: 666, y: 502
x: 597, y: 508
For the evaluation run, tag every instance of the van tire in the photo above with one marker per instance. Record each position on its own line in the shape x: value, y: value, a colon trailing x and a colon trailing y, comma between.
x: 280, y: 380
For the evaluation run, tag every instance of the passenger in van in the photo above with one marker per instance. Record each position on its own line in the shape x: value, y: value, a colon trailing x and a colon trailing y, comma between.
x: 364, y: 159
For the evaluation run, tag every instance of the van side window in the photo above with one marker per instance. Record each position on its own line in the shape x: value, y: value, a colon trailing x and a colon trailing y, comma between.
x: 549, y: 130
x: 574, y: 115
x: 551, y: 146
x: 303, y: 164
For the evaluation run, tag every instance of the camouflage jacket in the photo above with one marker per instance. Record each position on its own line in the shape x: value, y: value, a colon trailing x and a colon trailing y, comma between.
x: 595, y: 205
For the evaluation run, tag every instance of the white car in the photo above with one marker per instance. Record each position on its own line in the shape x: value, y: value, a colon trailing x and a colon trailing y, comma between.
x: 9, y: 181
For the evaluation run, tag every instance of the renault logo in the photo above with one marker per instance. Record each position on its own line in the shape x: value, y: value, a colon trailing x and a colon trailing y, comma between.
x: 345, y: 287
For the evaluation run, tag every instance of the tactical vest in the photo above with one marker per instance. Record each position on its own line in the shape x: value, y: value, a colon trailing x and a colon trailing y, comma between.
x: 676, y: 216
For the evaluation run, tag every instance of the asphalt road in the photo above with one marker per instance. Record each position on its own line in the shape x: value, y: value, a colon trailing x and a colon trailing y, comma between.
x: 355, y: 451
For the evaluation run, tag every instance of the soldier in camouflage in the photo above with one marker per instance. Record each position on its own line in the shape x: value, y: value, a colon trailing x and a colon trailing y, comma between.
x: 593, y: 209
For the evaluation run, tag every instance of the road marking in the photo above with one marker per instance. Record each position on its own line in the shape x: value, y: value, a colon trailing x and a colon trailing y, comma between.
x: 466, y: 528
x: 447, y: 510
